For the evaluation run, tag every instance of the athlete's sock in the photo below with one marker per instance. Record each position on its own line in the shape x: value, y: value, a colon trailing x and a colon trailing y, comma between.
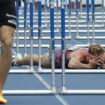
x: 2, y: 99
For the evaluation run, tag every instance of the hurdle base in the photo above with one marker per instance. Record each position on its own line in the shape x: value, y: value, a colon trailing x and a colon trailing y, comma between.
x: 62, y: 90
x: 59, y: 71
x: 27, y: 92
x: 31, y: 69
x: 38, y: 70
x: 54, y: 90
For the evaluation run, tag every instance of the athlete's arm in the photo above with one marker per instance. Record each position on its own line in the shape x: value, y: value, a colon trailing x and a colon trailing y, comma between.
x: 77, y: 64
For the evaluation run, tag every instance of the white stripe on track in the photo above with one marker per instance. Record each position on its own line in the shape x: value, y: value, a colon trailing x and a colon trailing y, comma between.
x: 48, y: 86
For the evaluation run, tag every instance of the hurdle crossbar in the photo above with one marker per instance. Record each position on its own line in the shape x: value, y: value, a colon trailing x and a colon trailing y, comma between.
x: 58, y: 71
x: 48, y: 46
x: 67, y: 31
x: 43, y: 21
x: 66, y: 17
x: 90, y: 37
x: 73, y: 13
x: 80, y: 25
x: 44, y: 38
x: 27, y: 92
x: 86, y: 45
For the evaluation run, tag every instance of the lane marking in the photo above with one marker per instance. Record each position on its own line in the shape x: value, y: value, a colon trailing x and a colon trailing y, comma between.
x: 48, y: 86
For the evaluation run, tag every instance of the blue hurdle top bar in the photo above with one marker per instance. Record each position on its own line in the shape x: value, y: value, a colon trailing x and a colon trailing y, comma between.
x: 52, y: 23
x: 17, y: 13
x: 63, y: 24
x: 70, y: 7
x: 93, y: 9
x: 39, y: 17
x: 88, y: 10
x: 31, y: 18
x: 25, y: 13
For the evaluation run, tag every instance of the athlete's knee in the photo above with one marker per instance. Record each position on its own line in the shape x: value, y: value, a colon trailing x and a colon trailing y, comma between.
x: 7, y: 43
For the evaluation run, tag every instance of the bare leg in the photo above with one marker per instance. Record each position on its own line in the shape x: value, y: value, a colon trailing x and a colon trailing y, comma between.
x: 6, y: 35
x: 26, y: 60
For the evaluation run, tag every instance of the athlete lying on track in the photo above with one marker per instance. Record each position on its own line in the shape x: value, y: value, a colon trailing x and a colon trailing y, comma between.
x: 81, y: 58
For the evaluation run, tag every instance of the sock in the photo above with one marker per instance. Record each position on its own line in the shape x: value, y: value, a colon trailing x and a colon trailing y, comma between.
x: 2, y: 99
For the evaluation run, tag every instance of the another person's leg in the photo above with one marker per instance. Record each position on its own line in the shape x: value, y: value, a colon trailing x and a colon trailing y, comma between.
x: 6, y: 35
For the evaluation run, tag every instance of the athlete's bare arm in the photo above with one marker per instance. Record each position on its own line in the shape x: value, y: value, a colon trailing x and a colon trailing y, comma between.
x: 76, y: 61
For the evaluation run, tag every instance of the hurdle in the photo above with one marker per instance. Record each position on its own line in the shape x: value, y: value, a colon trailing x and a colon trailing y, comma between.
x: 39, y: 34
x: 63, y: 41
x: 56, y: 70
x: 93, y: 33
x: 32, y: 92
x: 63, y: 89
x: 93, y: 26
x: 52, y: 44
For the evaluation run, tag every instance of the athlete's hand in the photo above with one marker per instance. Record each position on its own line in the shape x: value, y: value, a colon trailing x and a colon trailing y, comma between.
x: 93, y: 62
x: 100, y: 61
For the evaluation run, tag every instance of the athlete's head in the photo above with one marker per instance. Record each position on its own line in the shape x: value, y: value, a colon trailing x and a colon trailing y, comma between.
x: 95, y: 50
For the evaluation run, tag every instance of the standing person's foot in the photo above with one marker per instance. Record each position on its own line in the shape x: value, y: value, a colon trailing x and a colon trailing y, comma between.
x: 2, y: 99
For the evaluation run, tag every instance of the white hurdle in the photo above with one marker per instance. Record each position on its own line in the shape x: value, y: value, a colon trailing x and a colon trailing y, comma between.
x: 31, y: 69
x: 64, y: 90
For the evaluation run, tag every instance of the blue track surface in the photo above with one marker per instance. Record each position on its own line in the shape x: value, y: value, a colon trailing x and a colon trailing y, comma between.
x: 73, y: 81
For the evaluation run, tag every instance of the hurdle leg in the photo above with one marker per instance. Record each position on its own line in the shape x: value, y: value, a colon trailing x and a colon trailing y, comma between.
x: 69, y: 18
x: 87, y: 3
x: 63, y: 45
x: 93, y: 18
x: 18, y: 55
x: 80, y: 14
x: 25, y: 27
x: 52, y: 45
x: 31, y: 33
x: 103, y: 12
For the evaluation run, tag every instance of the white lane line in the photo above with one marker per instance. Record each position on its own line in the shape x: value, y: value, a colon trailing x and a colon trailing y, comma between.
x: 49, y: 87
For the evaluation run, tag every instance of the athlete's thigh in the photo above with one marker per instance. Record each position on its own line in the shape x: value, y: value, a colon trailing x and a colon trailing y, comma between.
x: 46, y: 62
x: 8, y: 20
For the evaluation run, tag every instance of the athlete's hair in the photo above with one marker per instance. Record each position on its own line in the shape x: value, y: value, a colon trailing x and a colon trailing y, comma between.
x: 96, y: 49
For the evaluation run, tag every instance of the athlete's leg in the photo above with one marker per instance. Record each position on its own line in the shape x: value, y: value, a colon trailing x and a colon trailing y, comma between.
x: 45, y: 62
x: 26, y: 60
x: 6, y: 35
